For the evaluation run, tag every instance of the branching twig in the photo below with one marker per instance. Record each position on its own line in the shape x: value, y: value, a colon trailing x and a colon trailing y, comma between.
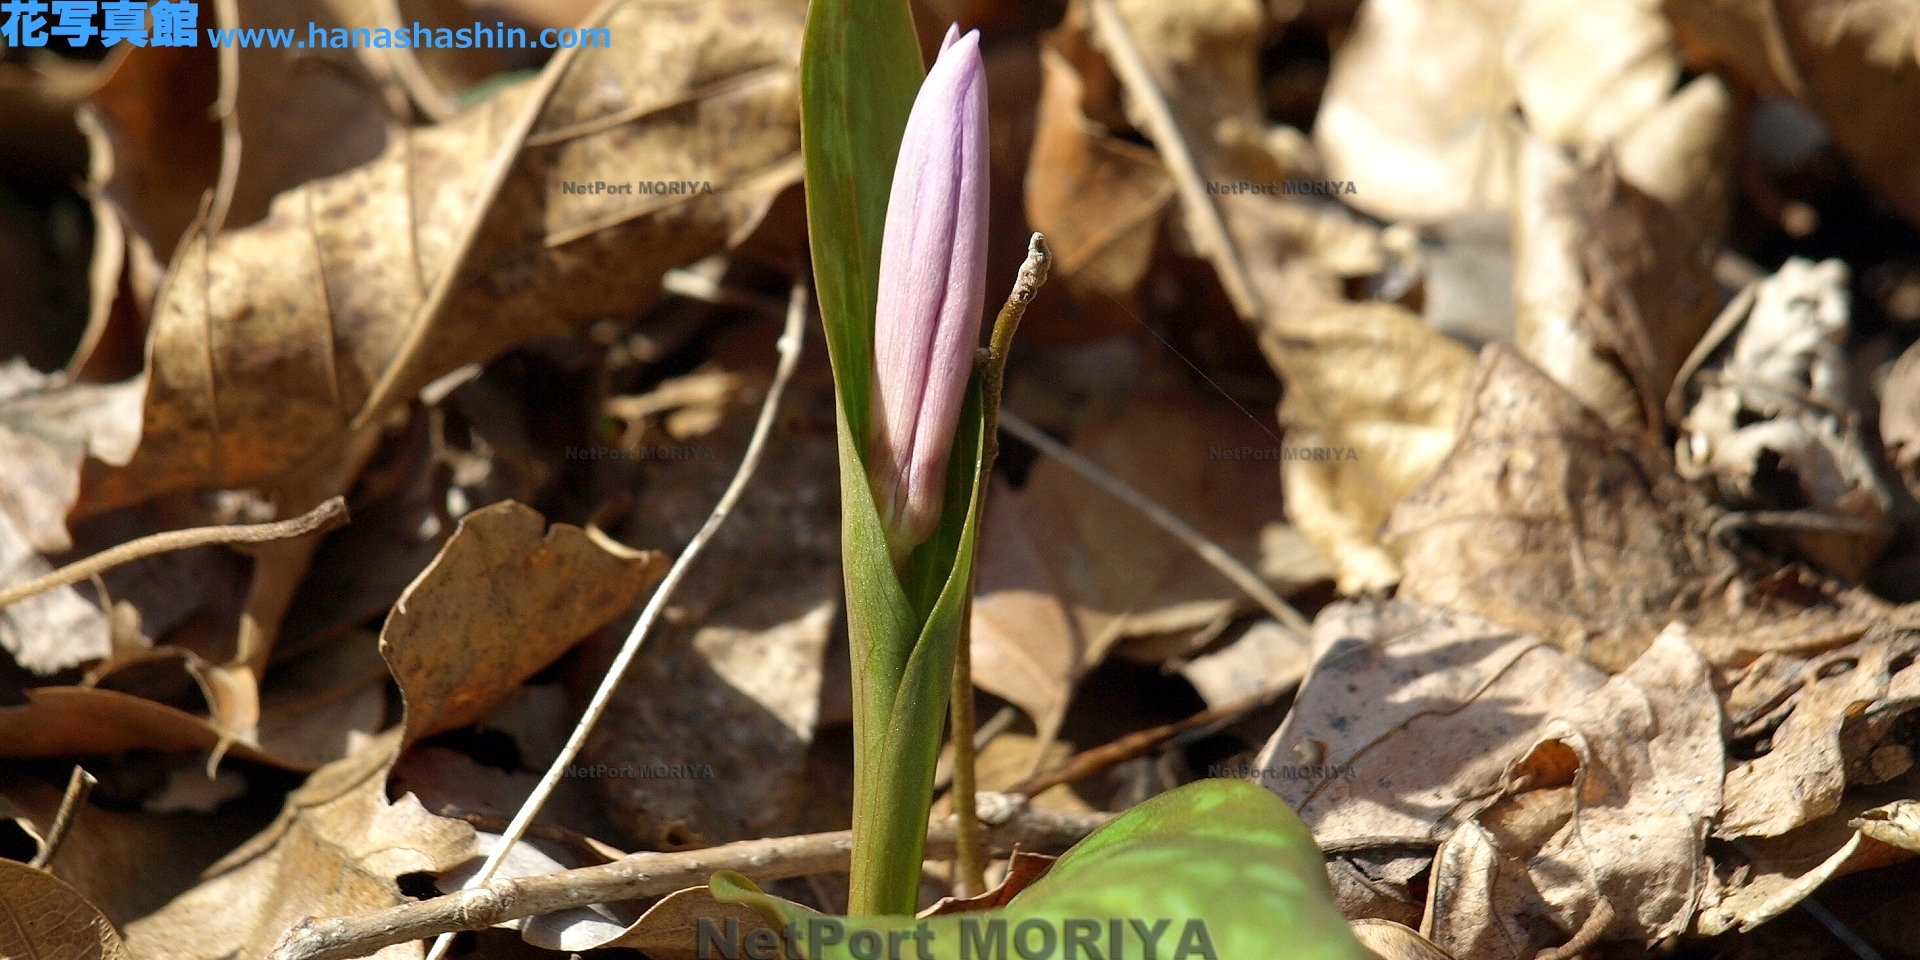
x: 1203, y: 218
x: 1209, y: 551
x: 645, y: 875
x: 326, y: 516
x: 78, y: 786
x: 789, y: 347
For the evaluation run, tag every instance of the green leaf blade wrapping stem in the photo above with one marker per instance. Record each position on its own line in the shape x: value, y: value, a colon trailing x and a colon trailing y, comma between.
x: 860, y: 70
x: 1225, y: 852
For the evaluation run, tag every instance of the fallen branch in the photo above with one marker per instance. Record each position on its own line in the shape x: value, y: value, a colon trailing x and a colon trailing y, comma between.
x: 326, y: 516
x: 650, y: 875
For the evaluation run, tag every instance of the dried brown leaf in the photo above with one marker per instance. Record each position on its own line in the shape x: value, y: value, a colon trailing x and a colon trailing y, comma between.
x: 1544, y: 519
x: 335, y: 849
x: 269, y: 340
x: 1067, y: 571
x: 507, y: 596
x: 40, y: 916
x: 1099, y: 199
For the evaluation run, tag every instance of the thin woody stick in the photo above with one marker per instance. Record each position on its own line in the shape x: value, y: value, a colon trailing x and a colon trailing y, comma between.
x: 646, y: 875
x: 1209, y: 551
x: 326, y: 516
x: 789, y: 347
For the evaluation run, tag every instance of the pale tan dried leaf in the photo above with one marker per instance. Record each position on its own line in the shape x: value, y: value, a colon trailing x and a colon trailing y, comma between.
x: 1544, y: 519
x: 1642, y: 758
x: 507, y: 596
x: 1416, y: 108
x: 1267, y: 657
x: 48, y: 427
x: 335, y: 849
x: 1409, y: 718
x: 1897, y: 824
x: 1392, y: 941
x: 40, y: 916
x: 1372, y: 399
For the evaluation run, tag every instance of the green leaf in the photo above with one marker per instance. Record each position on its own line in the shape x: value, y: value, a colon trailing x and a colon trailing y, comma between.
x: 1224, y: 852
x: 859, y: 72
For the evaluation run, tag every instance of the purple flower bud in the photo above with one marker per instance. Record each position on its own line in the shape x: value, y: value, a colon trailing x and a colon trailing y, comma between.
x: 933, y: 261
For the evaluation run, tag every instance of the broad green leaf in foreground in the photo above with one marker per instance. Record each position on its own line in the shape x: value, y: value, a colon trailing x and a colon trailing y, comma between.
x: 1220, y: 856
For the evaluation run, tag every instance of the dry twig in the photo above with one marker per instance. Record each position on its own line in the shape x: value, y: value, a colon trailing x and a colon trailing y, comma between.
x: 1088, y: 762
x: 646, y: 875
x: 326, y: 516
x: 78, y: 786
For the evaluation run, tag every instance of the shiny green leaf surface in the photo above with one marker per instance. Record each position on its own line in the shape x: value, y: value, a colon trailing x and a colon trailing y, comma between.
x: 1225, y: 853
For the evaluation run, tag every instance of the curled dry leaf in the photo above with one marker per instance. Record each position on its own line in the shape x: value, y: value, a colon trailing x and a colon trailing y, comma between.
x: 1392, y: 941
x: 40, y: 916
x: 1417, y: 105
x: 1757, y: 879
x: 1845, y: 702
x: 1545, y: 519
x: 252, y: 371
x: 1772, y: 386
x: 1606, y: 814
x: 1613, y: 285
